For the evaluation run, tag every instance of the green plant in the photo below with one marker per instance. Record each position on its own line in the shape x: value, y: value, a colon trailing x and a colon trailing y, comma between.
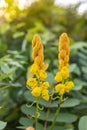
x: 39, y: 87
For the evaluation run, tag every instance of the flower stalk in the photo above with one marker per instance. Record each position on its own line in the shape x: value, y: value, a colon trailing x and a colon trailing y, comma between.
x: 57, y: 112
x: 36, y: 115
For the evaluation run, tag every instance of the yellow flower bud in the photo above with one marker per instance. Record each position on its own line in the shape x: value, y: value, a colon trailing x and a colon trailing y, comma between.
x: 45, y: 95
x: 36, y: 92
x: 63, y: 51
x: 59, y: 87
x: 32, y: 82
x: 42, y: 74
x: 45, y: 85
x: 69, y: 85
x: 38, y: 50
x: 65, y: 72
x: 34, y: 69
x: 58, y: 77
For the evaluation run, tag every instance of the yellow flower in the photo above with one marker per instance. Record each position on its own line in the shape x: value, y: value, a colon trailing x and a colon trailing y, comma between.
x: 32, y: 82
x: 38, y: 50
x: 65, y: 73
x: 63, y: 58
x: 45, y: 95
x: 62, y: 91
x: 63, y: 51
x: 45, y: 85
x: 58, y: 77
x: 34, y: 69
x: 42, y: 74
x: 60, y: 88
x: 69, y: 85
x: 36, y: 92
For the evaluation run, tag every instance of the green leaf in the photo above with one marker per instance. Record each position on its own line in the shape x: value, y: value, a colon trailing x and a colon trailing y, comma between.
x: 77, y: 87
x: 28, y: 110
x: 69, y: 126
x: 78, y: 84
x: 20, y: 25
x: 83, y: 62
x: 5, y: 68
x: 70, y: 103
x: 4, y: 76
x: 4, y: 58
x: 29, y: 97
x: 83, y: 123
x: 29, y: 122
x: 82, y: 55
x: 75, y: 69
x: 78, y: 45
x: 84, y: 69
x: 63, y: 117
x: 4, y: 27
x: 18, y: 34
x: 26, y: 121
x: 72, y: 67
x: 57, y: 128
x: 2, y: 125
x: 50, y: 78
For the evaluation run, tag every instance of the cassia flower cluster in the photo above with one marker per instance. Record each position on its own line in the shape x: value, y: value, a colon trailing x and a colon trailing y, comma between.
x: 63, y: 74
x: 38, y: 69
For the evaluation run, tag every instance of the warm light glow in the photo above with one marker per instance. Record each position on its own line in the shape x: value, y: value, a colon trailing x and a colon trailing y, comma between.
x: 24, y: 3
x: 2, y: 3
x: 21, y: 3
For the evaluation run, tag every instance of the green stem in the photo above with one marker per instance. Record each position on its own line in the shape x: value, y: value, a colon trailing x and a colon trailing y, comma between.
x: 56, y: 114
x: 36, y: 115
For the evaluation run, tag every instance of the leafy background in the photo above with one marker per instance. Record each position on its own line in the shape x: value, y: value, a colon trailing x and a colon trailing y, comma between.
x: 17, y: 28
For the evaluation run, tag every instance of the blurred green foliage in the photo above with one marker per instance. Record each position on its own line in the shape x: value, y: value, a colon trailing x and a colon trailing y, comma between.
x: 16, y: 33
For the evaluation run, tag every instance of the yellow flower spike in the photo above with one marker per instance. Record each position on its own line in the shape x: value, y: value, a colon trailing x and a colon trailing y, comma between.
x: 42, y: 74
x: 37, y: 54
x: 69, y: 85
x: 32, y: 82
x: 45, y: 85
x: 38, y: 69
x: 45, y: 95
x: 36, y: 92
x: 58, y: 77
x: 34, y: 69
x: 63, y: 58
x: 63, y: 51
x: 65, y: 72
